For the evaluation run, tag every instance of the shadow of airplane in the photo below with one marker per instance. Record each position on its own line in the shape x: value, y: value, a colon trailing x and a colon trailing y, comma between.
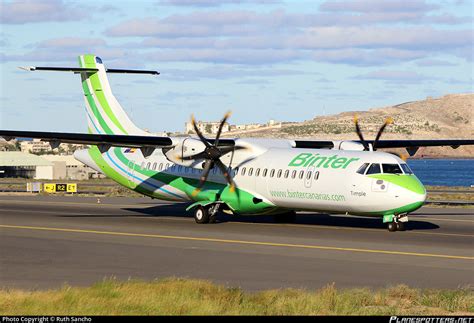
x: 178, y: 210
x: 316, y: 219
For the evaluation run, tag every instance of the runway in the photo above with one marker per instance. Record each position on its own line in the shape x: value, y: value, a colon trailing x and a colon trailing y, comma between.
x: 48, y: 241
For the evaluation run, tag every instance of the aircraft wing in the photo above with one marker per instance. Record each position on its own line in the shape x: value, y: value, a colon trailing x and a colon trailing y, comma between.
x: 146, y: 143
x: 454, y: 143
x: 410, y: 145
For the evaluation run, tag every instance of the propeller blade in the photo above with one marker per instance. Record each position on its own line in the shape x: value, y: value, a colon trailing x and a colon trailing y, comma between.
x: 198, y: 132
x: 203, y: 178
x: 226, y: 116
x: 359, y: 132
x: 226, y: 173
x: 388, y: 121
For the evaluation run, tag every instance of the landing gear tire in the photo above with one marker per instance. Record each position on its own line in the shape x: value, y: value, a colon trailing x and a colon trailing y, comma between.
x: 201, y: 215
x: 400, y: 226
x: 392, y: 226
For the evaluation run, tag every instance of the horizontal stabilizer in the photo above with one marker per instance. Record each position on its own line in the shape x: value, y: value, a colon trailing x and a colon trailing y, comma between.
x: 87, y: 70
x: 59, y: 69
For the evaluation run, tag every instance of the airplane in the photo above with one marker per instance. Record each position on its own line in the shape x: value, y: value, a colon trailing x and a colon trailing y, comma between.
x: 245, y: 176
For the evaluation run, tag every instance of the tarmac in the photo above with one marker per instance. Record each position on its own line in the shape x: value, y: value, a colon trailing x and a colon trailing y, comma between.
x: 47, y: 241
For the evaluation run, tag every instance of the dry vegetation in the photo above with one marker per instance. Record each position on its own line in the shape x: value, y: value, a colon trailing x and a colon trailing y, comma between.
x: 197, y: 297
x: 450, y: 116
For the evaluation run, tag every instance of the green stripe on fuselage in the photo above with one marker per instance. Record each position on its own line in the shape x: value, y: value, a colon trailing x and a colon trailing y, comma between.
x: 240, y: 201
x: 409, y: 182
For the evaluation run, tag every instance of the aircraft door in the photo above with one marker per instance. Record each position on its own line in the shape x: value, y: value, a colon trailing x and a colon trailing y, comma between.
x: 308, y: 177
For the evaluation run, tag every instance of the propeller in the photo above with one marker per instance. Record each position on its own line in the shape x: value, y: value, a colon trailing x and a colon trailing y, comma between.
x: 212, y: 154
x: 388, y: 121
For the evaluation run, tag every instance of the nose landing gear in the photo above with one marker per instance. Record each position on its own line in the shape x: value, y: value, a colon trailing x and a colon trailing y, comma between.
x: 395, y: 222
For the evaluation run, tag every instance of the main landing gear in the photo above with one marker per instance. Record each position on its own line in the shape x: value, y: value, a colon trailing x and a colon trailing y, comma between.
x: 206, y: 213
x: 396, y: 222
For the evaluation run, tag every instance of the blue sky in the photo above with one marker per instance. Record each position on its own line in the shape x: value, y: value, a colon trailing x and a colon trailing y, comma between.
x: 283, y: 60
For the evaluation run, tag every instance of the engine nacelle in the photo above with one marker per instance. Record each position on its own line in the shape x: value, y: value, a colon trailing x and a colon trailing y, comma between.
x: 348, y: 145
x: 186, y: 148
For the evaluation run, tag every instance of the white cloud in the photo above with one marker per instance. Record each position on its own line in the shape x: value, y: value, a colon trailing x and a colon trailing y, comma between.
x: 377, y: 6
x: 28, y: 11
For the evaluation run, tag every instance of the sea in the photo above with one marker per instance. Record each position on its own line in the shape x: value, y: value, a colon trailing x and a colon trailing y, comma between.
x: 444, y: 172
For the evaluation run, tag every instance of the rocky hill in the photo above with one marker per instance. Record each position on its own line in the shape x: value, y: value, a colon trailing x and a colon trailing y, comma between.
x: 448, y: 117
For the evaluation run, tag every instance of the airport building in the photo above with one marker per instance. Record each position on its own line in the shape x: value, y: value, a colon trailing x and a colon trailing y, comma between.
x: 18, y: 164
x: 24, y: 165
x: 206, y: 127
x: 37, y: 146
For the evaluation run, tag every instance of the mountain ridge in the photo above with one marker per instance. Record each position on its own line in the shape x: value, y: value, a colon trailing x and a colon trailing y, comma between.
x: 447, y: 117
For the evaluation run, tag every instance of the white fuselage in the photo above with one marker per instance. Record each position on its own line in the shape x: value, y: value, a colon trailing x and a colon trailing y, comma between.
x: 284, y: 177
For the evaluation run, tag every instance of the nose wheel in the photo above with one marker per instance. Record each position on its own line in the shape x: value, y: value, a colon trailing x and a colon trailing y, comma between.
x: 397, y: 223
x: 395, y: 226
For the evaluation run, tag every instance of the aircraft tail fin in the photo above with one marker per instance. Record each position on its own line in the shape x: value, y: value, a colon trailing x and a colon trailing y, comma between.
x: 104, y: 112
x: 105, y: 115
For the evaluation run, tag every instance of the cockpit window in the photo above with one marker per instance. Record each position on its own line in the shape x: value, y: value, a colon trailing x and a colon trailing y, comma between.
x: 374, y: 169
x: 362, y: 168
x: 406, y: 169
x: 391, y: 169
x: 98, y: 60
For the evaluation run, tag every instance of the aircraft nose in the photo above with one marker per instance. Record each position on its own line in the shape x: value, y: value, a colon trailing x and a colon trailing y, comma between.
x: 417, y: 193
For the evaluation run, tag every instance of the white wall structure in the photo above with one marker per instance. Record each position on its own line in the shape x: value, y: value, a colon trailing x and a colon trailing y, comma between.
x: 18, y: 164
x: 44, y: 172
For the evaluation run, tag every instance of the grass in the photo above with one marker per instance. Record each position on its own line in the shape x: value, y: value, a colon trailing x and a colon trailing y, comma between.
x: 197, y: 297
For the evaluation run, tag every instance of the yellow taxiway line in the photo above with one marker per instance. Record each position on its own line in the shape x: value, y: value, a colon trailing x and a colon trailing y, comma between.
x: 265, y: 224
x: 242, y: 242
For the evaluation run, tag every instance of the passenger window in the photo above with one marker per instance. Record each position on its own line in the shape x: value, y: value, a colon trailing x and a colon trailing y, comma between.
x: 391, y: 169
x: 301, y: 174
x: 148, y: 165
x: 316, y: 175
x: 154, y: 166
x: 308, y: 175
x: 257, y: 172
x: 264, y: 174
x: 293, y: 174
x: 243, y: 171
x: 374, y: 169
x: 279, y: 173
x: 250, y: 171
x: 362, y: 168
x: 287, y: 172
x: 161, y: 166
x: 236, y: 171
x: 406, y: 169
x: 272, y: 172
